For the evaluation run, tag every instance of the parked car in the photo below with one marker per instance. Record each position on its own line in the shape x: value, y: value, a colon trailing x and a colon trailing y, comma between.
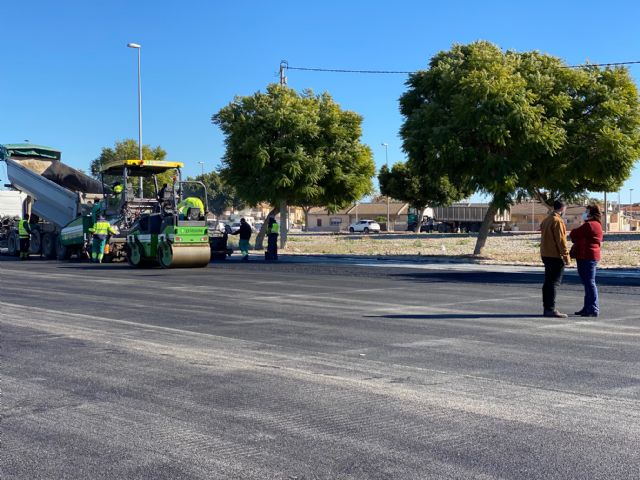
x: 365, y: 226
x: 216, y: 226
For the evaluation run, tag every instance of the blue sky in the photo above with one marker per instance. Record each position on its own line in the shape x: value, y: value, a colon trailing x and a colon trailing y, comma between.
x: 70, y: 82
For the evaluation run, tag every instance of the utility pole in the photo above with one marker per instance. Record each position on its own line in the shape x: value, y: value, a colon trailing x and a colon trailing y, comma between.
x: 619, y: 214
x: 606, y: 211
x: 283, y: 66
x: 138, y: 48
x: 386, y: 156
x: 533, y: 213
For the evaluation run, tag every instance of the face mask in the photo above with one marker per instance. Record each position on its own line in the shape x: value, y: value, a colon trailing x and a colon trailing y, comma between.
x: 585, y: 216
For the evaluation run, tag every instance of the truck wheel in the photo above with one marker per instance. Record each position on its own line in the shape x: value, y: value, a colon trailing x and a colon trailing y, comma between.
x: 351, y: 230
x: 62, y: 251
x: 49, y: 245
x: 13, y: 242
x: 35, y: 245
x: 366, y: 230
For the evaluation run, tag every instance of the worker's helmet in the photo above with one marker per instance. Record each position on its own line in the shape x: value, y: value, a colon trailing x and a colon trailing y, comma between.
x: 117, y: 188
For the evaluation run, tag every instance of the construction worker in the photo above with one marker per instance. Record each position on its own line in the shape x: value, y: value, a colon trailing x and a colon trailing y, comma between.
x: 273, y: 229
x: 187, y: 204
x: 100, y: 230
x: 24, y: 232
x: 116, y: 190
x: 245, y: 236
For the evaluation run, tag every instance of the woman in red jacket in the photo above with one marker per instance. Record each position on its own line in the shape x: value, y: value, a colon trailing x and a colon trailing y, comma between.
x: 587, y: 240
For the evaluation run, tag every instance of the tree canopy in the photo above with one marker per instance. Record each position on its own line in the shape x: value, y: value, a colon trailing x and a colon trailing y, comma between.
x: 286, y: 148
x: 404, y: 182
x: 126, y: 150
x: 507, y: 124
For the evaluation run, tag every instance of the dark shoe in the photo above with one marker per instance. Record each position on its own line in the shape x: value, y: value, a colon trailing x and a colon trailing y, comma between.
x: 592, y: 314
x: 554, y: 314
x: 579, y: 312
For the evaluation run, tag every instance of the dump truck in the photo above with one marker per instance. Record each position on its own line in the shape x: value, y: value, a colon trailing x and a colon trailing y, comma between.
x: 55, y: 194
x: 467, y: 217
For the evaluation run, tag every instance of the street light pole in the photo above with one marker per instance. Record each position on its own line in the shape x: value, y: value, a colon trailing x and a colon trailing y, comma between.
x: 138, y: 47
x: 533, y: 214
x: 201, y: 169
x: 630, y: 198
x: 386, y: 156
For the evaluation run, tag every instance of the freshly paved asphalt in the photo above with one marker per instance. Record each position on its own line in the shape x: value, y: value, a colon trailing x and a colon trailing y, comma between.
x: 312, y: 370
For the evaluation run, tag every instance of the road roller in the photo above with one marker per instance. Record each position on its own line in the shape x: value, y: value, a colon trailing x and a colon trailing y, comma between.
x: 162, y: 228
x: 168, y: 240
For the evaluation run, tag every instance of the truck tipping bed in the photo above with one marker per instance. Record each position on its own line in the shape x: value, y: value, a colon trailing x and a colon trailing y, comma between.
x: 51, y: 202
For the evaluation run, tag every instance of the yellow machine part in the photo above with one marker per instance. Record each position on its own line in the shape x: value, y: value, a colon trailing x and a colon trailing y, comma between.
x: 182, y: 256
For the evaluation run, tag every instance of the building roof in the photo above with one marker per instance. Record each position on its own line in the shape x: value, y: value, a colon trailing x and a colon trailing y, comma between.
x: 541, y: 209
x: 324, y: 211
x: 379, y: 209
x: 364, y: 209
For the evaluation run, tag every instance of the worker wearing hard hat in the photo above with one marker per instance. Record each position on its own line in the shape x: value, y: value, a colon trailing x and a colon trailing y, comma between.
x: 24, y: 233
x: 186, y: 208
x: 116, y: 190
x: 100, y: 230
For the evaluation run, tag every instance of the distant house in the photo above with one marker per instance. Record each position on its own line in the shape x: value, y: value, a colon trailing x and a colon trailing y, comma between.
x: 321, y: 220
x: 527, y: 217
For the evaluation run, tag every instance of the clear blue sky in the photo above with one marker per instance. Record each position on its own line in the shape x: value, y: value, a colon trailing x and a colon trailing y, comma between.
x: 69, y: 81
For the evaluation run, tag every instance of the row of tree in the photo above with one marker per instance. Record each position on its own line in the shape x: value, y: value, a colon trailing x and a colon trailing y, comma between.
x: 513, y: 125
x: 506, y: 124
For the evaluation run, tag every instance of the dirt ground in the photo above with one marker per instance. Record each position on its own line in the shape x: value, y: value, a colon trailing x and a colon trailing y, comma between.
x: 618, y: 250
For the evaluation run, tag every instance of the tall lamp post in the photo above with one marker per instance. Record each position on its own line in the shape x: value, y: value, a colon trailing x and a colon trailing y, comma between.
x: 201, y: 169
x: 138, y: 47
x: 386, y: 156
x: 630, y: 198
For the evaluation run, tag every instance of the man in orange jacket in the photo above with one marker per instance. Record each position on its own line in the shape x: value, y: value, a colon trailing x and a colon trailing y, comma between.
x: 555, y: 256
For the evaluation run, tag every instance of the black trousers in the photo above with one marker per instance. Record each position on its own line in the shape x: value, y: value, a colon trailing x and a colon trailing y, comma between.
x: 553, y: 270
x: 272, y: 246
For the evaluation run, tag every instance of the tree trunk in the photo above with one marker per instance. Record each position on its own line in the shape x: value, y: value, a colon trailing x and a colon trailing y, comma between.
x: 284, y: 224
x: 484, y: 229
x: 263, y: 230
x: 419, y: 217
x: 306, y: 218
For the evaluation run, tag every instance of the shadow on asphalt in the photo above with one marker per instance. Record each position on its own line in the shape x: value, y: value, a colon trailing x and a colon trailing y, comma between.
x: 505, y: 278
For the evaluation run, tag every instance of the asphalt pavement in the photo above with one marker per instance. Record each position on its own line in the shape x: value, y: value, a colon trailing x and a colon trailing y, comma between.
x: 313, y: 369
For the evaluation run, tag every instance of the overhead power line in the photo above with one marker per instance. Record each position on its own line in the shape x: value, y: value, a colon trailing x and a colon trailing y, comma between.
x: 284, y: 65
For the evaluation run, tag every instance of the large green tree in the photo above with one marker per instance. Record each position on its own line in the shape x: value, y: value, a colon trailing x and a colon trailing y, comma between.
x: 404, y: 182
x: 507, y: 124
x: 128, y: 150
x: 287, y: 148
